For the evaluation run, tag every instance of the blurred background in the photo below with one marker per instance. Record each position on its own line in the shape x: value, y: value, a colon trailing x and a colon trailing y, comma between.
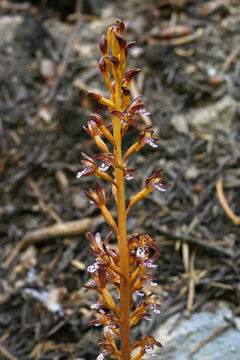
x: 189, y: 55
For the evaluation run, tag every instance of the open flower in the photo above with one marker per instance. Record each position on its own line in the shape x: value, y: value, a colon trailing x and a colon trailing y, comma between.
x: 155, y: 182
x: 106, y: 264
x: 90, y: 168
x: 145, y: 137
x: 152, y: 183
x: 101, y: 249
x: 108, y: 159
x: 146, y: 346
x: 151, y: 302
x: 135, y: 106
x: 128, y: 174
x: 102, y: 354
x: 140, y: 246
x: 150, y: 342
x: 96, y: 306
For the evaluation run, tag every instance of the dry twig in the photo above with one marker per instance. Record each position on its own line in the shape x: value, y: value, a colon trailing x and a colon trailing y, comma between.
x: 221, y: 197
x: 6, y: 353
x: 194, y: 240
x: 71, y: 228
x: 45, y: 207
x: 192, y: 282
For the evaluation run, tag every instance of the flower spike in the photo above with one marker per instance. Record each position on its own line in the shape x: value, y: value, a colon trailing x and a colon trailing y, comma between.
x: 128, y: 267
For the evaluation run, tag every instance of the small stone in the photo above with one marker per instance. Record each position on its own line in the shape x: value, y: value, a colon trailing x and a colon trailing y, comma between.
x: 192, y: 172
x: 213, y: 116
x: 47, y: 68
x: 179, y: 123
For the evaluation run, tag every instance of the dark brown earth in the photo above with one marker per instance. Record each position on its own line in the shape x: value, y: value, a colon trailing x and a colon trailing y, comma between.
x: 189, y: 54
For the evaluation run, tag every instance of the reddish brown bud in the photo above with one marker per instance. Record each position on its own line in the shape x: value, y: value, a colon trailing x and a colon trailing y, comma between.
x: 131, y: 73
x: 118, y: 114
x: 94, y: 95
x: 137, y: 107
x: 130, y: 44
x: 102, y: 65
x: 97, y: 118
x: 113, y: 60
x: 121, y: 40
x: 103, y: 45
x: 121, y: 26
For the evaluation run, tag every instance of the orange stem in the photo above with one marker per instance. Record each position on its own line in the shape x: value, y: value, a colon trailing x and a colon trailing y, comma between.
x: 122, y: 235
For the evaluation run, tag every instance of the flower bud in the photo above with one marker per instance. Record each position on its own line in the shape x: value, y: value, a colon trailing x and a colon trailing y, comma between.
x: 103, y: 45
x: 130, y: 44
x: 94, y: 95
x: 131, y: 73
x: 121, y: 40
x: 113, y: 60
x: 102, y: 65
x: 97, y: 118
x: 121, y: 26
x: 100, y: 98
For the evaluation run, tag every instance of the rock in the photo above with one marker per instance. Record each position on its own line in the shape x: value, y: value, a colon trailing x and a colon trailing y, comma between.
x: 179, y: 123
x: 94, y: 7
x: 59, y: 31
x: 71, y: 119
x: 192, y: 172
x: 180, y: 338
x: 30, y: 35
x: 47, y: 68
x: 8, y: 26
x: 208, y: 118
x: 157, y: 54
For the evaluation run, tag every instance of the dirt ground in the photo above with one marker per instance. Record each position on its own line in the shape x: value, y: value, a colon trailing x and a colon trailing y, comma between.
x: 189, y: 54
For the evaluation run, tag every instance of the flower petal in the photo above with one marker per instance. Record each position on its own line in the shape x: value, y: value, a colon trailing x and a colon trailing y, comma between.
x: 92, y: 268
x: 141, y: 251
x: 150, y: 142
x: 105, y: 166
x: 159, y: 186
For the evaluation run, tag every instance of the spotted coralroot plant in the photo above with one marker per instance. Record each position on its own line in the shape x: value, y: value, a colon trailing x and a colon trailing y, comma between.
x: 127, y: 269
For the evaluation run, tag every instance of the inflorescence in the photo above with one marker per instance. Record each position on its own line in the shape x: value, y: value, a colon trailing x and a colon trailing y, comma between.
x: 127, y: 279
